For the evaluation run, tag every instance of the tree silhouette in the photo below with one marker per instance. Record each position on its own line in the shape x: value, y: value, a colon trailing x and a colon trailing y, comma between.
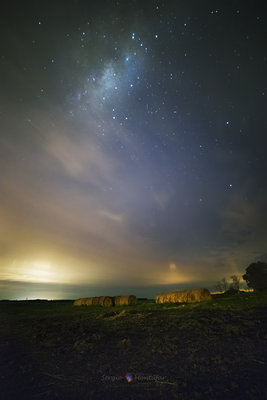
x: 235, y: 282
x: 222, y: 285
x: 256, y: 276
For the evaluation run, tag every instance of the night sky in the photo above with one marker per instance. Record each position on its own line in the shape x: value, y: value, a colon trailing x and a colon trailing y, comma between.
x: 132, y: 145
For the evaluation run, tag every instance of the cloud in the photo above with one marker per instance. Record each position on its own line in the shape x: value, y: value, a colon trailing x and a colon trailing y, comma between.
x: 69, y: 203
x: 73, y: 200
x: 161, y: 199
x: 81, y: 158
x: 117, y: 218
x: 244, y: 221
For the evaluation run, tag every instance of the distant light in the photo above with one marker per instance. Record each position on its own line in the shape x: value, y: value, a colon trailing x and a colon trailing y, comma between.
x: 172, y: 267
x: 39, y: 23
x: 133, y: 36
x: 156, y: 36
x: 227, y: 122
x: 230, y: 185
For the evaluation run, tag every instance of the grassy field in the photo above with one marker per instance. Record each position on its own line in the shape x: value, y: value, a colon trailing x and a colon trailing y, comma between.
x: 213, y: 350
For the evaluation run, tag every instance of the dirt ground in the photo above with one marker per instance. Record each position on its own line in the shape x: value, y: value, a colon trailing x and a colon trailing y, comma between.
x: 53, y: 350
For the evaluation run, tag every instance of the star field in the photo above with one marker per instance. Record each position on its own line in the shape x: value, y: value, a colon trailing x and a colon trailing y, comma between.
x: 132, y: 139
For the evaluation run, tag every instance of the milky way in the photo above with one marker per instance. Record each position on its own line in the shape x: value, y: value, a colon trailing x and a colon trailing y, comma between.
x: 133, y: 137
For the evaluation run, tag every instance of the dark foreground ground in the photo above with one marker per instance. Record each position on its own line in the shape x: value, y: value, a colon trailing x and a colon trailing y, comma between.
x: 213, y: 350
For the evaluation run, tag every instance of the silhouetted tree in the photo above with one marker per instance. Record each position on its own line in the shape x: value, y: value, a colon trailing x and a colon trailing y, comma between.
x: 256, y: 276
x: 235, y: 282
x: 222, y: 285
